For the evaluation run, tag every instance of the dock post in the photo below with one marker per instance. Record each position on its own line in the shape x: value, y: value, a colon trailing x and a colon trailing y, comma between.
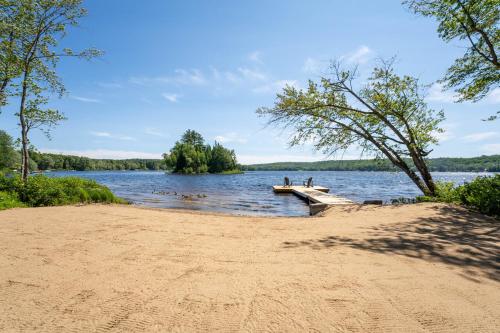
x: 315, y: 208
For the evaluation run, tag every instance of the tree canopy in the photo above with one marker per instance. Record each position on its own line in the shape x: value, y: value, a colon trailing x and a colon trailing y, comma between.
x: 476, y: 22
x: 387, y: 117
x: 30, y: 32
x: 8, y: 155
x: 191, y: 155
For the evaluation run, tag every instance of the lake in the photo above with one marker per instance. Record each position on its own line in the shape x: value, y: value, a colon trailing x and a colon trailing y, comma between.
x: 251, y: 193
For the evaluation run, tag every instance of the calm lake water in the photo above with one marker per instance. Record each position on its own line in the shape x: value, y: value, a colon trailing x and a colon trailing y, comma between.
x: 251, y: 193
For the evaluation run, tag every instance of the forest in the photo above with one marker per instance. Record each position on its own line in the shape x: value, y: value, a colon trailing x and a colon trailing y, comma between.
x: 473, y: 164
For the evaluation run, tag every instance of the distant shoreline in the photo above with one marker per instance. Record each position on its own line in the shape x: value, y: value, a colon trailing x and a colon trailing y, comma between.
x: 444, y: 164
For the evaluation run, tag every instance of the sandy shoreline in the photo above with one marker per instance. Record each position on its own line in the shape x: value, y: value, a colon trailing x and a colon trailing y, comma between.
x: 416, y: 268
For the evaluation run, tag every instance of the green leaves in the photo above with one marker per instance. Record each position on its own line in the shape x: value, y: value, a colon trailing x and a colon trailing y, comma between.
x: 476, y: 22
x: 191, y: 155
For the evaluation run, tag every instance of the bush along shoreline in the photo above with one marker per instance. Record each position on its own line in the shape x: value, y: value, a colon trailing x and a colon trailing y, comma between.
x: 42, y: 191
x: 482, y: 195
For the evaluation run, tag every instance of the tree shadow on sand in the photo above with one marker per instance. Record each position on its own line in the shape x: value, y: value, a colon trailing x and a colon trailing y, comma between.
x: 455, y: 237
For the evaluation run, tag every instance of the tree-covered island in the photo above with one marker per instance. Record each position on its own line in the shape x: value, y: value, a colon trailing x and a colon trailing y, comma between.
x: 191, y: 155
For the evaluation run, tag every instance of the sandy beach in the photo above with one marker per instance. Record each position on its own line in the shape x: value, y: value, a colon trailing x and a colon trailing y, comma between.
x: 97, y: 268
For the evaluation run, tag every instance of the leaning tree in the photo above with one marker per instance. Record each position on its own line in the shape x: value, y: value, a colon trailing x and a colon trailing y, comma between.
x: 387, y: 117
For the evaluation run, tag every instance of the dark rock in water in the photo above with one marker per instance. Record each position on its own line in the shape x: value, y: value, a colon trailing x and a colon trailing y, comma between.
x: 187, y: 197
x: 373, y: 202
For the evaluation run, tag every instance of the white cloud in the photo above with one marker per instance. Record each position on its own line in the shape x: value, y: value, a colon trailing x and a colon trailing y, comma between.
x: 112, y: 136
x: 230, y: 137
x: 360, y: 56
x: 174, y: 98
x: 104, y: 153
x: 109, y: 85
x: 314, y: 66
x: 255, y: 56
x: 252, y: 74
x: 85, y: 99
x: 275, y: 86
x: 475, y: 137
x: 447, y: 133
x: 437, y: 93
x: 180, y: 77
x: 154, y: 132
x: 494, y: 96
x: 492, y: 148
x: 101, y: 134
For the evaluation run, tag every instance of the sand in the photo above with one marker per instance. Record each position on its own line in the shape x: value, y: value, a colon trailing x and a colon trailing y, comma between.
x: 414, y: 268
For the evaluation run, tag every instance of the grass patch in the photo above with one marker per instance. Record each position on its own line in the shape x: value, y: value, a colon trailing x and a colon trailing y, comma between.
x: 9, y: 200
x: 39, y: 191
x: 231, y: 172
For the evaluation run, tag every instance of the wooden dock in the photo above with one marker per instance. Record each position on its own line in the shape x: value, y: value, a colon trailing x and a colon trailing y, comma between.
x: 317, y: 196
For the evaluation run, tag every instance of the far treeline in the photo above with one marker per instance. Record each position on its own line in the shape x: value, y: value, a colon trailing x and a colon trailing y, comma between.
x: 474, y: 164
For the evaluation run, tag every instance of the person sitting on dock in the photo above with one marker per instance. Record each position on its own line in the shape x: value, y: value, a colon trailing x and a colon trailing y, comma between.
x: 309, y: 182
x: 287, y: 182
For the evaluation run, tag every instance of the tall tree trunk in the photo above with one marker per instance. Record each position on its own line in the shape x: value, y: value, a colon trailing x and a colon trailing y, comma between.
x: 24, y: 131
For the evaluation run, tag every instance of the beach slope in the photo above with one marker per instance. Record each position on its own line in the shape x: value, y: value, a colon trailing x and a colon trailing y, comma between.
x: 97, y: 268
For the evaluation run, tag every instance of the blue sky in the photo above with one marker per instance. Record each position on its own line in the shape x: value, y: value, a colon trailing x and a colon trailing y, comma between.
x: 208, y: 65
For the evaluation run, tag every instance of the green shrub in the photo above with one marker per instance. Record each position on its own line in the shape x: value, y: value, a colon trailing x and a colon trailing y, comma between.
x: 45, y: 191
x: 445, y: 192
x: 9, y: 200
x: 482, y: 194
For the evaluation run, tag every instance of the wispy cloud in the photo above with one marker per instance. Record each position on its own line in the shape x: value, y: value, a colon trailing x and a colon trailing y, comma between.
x: 275, y: 86
x: 476, y: 137
x: 491, y: 148
x: 437, y: 93
x: 85, y: 99
x: 255, y: 56
x: 252, y: 74
x: 105, y: 153
x: 180, y: 77
x: 230, y: 137
x: 154, y: 132
x: 109, y: 85
x: 360, y: 56
x: 174, y: 98
x: 447, y: 133
x: 112, y: 136
x: 314, y: 66
x: 494, y: 96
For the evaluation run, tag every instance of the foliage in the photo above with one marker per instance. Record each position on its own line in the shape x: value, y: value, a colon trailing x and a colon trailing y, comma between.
x: 68, y: 162
x: 477, y: 22
x: 46, y: 191
x: 30, y: 32
x: 481, y: 194
x: 8, y: 154
x: 474, y: 164
x: 35, y: 117
x: 387, y: 117
x: 9, y: 200
x: 191, y: 155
